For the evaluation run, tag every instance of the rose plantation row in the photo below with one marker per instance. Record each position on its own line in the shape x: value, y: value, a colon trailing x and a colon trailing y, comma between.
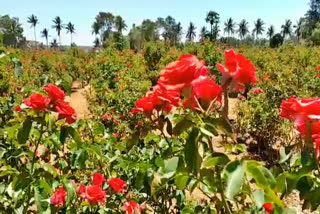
x: 166, y: 150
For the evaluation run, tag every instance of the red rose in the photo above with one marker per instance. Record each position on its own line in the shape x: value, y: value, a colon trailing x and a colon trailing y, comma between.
x: 37, y: 101
x: 317, y: 68
x: 300, y: 110
x: 179, y: 74
x: 95, y: 194
x: 59, y: 197
x: 159, y: 99
x: 205, y: 91
x: 55, y: 93
x: 97, y: 179
x: 65, y: 111
x: 238, y: 69
x: 117, y: 184
x: 146, y: 104
x: 132, y: 207
x: 116, y: 135
x: 268, y: 207
x: 82, y: 191
x: 257, y: 91
x: 17, y: 108
x: 107, y: 117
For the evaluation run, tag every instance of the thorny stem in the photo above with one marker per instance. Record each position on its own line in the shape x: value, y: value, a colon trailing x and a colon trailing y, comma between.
x: 163, y: 134
x: 224, y: 201
x: 32, y: 166
x: 225, y: 110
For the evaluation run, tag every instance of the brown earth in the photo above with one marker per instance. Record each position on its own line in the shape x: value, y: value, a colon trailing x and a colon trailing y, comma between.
x: 78, y: 100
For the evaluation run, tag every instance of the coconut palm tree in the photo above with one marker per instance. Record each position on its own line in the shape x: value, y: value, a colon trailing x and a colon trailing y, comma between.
x: 177, y: 31
x: 45, y: 34
x: 229, y: 26
x: 96, y: 42
x: 298, y: 28
x: 54, y: 44
x: 96, y: 27
x: 58, y: 26
x: 70, y: 29
x: 258, y: 27
x: 191, y: 34
x: 33, y: 20
x: 120, y: 24
x: 213, y: 18
x: 270, y: 31
x: 286, y: 28
x: 243, y: 29
x: 203, y: 33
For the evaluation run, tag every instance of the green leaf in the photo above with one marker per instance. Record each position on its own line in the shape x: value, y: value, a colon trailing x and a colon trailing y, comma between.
x: 234, y: 175
x: 98, y: 128
x: 265, y: 180
x: 182, y: 180
x: 8, y: 170
x: 171, y: 164
x: 206, y: 132
x: 217, y: 159
x: 63, y: 134
x: 182, y: 126
x: 152, y: 137
x: 281, y: 184
x: 258, y: 196
x: 24, y: 132
x: 283, y: 156
x: 191, y: 152
x: 71, y: 193
x: 263, y: 177
x: 49, y: 168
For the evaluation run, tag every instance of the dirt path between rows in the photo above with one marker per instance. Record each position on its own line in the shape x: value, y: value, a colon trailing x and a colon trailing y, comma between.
x: 78, y: 100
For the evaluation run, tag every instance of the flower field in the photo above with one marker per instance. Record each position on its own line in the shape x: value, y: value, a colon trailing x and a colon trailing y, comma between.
x: 160, y: 137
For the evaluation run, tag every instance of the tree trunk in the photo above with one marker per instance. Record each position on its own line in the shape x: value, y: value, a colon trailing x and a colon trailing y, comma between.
x: 47, y: 43
x: 35, y: 36
x: 71, y: 39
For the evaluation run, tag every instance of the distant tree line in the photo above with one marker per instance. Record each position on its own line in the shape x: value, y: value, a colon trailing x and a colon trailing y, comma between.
x: 11, y: 31
x: 108, y: 28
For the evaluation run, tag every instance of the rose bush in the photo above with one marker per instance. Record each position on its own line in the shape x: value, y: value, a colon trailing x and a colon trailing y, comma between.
x: 154, y: 141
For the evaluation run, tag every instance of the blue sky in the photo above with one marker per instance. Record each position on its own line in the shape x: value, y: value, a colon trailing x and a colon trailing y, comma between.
x: 82, y: 13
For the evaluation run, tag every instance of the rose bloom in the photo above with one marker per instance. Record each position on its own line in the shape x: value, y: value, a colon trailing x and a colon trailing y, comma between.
x: 117, y: 184
x: 82, y: 191
x: 132, y: 207
x: 317, y: 68
x: 238, y: 69
x: 17, y: 108
x: 158, y: 99
x: 179, y: 74
x: 55, y: 93
x: 268, y: 207
x: 65, y: 111
x: 59, y: 197
x: 95, y: 194
x: 37, y: 102
x: 300, y: 110
x: 257, y: 91
x: 97, y: 179
x: 205, y: 91
x: 107, y: 117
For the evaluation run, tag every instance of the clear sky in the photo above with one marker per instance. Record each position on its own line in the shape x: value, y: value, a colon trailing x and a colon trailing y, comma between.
x: 82, y: 13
